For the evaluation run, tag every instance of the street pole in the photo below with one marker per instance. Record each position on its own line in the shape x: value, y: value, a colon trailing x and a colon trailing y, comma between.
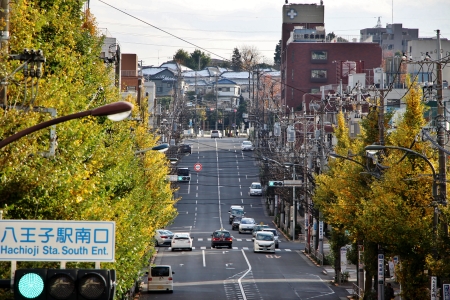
x: 217, y: 104
x: 294, y: 204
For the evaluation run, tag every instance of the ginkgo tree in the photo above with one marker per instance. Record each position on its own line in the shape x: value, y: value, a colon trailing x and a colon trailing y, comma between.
x: 385, y: 203
x: 94, y: 173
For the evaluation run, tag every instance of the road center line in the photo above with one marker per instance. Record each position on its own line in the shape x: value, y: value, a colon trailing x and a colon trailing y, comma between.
x: 240, y: 279
x: 204, y: 261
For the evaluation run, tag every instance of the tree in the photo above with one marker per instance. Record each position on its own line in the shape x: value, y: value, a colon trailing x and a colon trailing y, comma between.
x: 196, y: 60
x: 277, y: 56
x: 250, y: 57
x: 94, y: 174
x: 236, y: 60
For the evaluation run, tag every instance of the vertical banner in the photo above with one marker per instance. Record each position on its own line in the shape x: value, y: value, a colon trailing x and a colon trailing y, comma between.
x: 343, y: 259
x: 446, y: 291
x: 433, y: 288
x: 320, y: 230
x: 380, y: 268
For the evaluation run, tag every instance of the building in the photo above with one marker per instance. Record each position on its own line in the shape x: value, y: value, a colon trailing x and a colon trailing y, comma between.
x: 393, y: 38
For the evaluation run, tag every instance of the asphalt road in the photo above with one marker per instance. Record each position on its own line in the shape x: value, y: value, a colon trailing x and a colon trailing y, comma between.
x: 238, y: 273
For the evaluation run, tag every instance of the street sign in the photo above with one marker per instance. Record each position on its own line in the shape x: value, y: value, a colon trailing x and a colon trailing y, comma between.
x: 43, y: 240
x: 293, y: 183
x: 172, y: 177
x: 446, y: 288
x: 198, y: 167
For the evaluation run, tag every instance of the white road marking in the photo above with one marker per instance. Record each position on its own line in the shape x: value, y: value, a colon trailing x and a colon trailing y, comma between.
x: 240, y: 279
x: 204, y: 261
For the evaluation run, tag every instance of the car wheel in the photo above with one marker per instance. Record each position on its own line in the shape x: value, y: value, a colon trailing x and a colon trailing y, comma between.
x: 171, y: 291
x: 173, y: 249
x: 230, y: 246
x: 212, y: 246
x: 190, y: 249
x: 276, y: 246
x: 156, y: 243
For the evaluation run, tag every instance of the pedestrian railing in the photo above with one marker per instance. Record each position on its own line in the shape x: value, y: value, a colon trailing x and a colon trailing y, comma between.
x: 357, y: 291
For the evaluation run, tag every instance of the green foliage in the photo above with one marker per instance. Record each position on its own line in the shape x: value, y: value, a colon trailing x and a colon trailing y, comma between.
x: 196, y: 60
x: 277, y: 55
x: 94, y: 174
x: 236, y: 60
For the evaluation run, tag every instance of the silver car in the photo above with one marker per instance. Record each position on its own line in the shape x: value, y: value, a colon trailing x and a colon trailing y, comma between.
x: 264, y: 242
x: 163, y: 237
x: 247, y: 146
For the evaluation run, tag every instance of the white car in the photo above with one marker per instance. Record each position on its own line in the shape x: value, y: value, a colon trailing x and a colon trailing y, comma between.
x: 163, y: 237
x: 247, y: 225
x: 264, y: 242
x: 255, y: 189
x: 181, y: 240
x: 160, y: 278
x: 275, y: 235
x: 247, y: 146
x: 216, y: 134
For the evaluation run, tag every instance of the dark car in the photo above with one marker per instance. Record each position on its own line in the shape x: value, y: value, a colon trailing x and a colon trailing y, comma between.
x: 221, y: 238
x: 236, y: 222
x: 185, y: 148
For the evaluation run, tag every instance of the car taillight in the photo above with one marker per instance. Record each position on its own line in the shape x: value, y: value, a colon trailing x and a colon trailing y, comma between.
x: 150, y: 279
x: 216, y: 239
x: 164, y: 237
x: 229, y: 239
x: 170, y: 278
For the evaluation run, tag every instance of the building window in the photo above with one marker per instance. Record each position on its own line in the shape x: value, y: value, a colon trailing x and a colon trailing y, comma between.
x: 315, y: 91
x: 159, y: 89
x: 318, y: 75
x: 169, y: 85
x: 319, y: 56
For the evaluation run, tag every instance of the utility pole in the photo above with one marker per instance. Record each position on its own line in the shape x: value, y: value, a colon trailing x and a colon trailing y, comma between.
x: 217, y: 103
x: 4, y: 38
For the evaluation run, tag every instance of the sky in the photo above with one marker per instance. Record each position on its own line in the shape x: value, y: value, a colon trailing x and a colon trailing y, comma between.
x: 155, y: 30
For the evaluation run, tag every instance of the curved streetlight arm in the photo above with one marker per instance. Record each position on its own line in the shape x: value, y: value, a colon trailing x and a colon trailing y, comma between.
x: 381, y: 147
x: 347, y: 158
x: 106, y: 110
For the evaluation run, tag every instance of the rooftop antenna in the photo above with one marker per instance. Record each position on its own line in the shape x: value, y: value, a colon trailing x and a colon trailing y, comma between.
x: 378, y: 23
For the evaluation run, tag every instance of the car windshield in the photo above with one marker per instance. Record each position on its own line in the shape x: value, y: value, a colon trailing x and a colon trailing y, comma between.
x: 237, y: 212
x: 183, y: 172
x: 247, y: 143
x: 256, y: 186
x: 264, y: 237
x: 246, y: 221
x: 237, y: 219
x: 160, y: 271
x: 166, y: 232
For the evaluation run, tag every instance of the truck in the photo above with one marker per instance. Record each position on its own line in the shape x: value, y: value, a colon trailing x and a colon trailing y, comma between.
x: 236, y: 210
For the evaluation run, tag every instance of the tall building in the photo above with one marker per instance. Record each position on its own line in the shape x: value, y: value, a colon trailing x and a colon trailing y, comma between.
x: 309, y: 60
x: 393, y: 38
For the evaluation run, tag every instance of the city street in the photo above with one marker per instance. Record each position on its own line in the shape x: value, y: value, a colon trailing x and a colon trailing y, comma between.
x: 237, y: 273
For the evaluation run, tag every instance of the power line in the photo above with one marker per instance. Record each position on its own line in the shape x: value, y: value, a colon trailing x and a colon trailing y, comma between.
x: 177, y: 37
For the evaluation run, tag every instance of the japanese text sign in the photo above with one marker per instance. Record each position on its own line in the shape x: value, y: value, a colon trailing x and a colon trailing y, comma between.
x: 43, y: 240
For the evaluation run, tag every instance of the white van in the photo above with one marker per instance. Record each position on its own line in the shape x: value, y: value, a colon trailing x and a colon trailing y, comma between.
x: 216, y: 134
x: 160, y: 278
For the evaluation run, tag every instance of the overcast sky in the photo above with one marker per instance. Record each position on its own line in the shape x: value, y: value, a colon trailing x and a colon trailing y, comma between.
x: 217, y: 27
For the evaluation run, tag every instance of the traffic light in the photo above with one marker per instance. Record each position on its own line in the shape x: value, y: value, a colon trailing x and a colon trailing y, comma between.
x: 64, y: 284
x: 276, y: 183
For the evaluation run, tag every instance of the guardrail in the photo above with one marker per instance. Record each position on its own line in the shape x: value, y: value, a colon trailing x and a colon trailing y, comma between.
x: 357, y: 291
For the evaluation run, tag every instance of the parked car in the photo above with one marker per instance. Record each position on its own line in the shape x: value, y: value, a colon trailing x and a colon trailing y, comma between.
x: 185, y: 148
x: 221, y: 237
x: 236, y: 222
x: 264, y: 242
x: 160, y: 278
x: 181, y: 240
x: 247, y: 146
x: 163, y: 237
x: 257, y: 228
x: 246, y: 225
x: 255, y: 189
x: 235, y: 211
x: 216, y: 134
x: 275, y: 236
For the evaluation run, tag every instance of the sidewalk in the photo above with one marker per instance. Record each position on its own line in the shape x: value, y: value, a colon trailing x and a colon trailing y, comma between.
x: 329, y: 270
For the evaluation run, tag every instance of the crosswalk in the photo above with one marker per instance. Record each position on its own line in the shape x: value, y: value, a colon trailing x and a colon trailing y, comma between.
x: 233, y: 248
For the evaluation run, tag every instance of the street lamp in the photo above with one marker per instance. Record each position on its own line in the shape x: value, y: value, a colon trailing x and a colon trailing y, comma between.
x: 160, y: 148
x: 116, y: 111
